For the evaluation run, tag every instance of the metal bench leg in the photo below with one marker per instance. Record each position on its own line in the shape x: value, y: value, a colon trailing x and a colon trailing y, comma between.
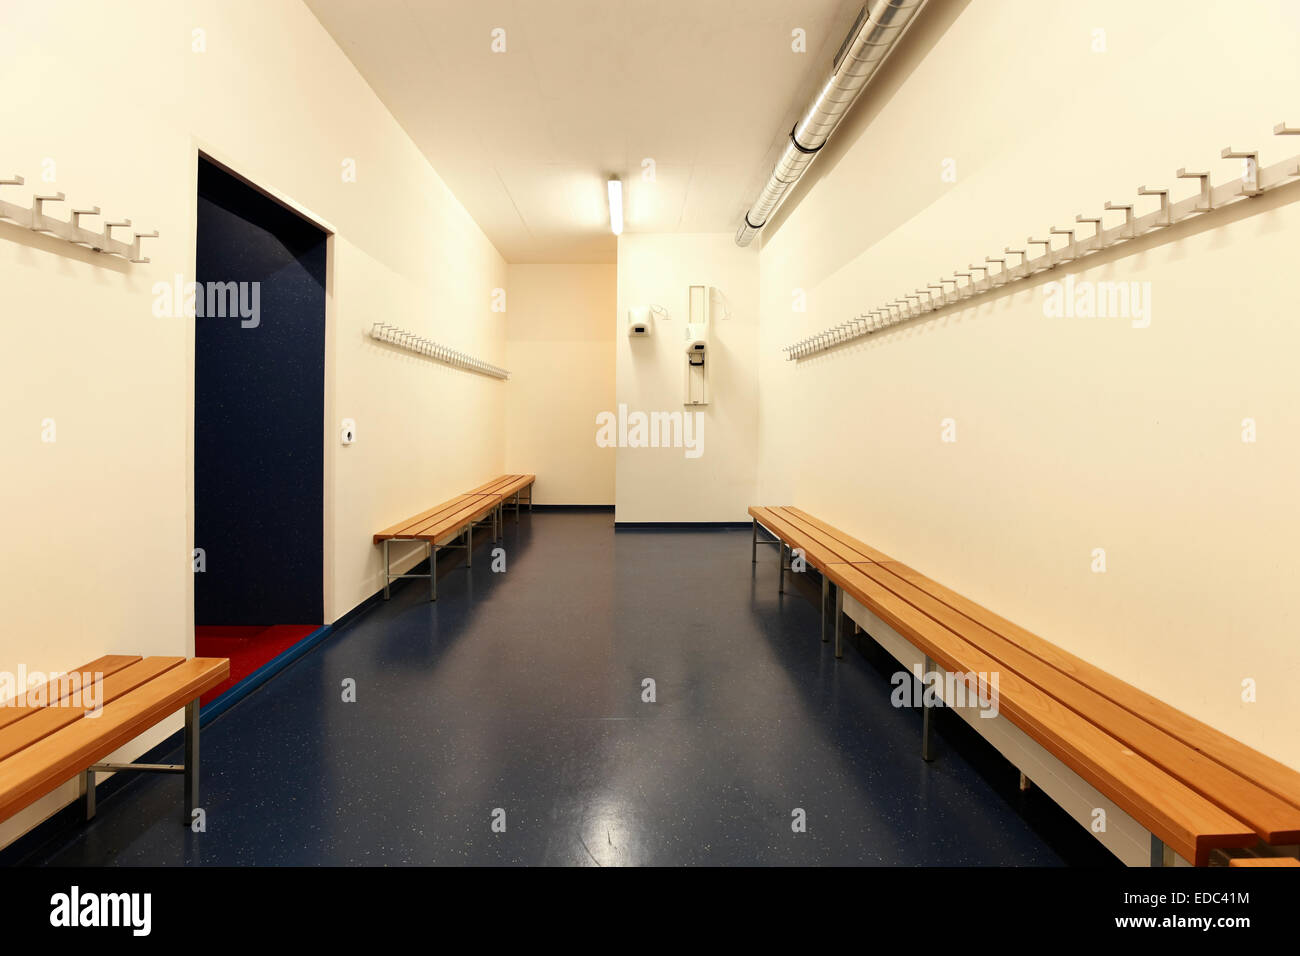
x: 433, y: 570
x: 780, y: 563
x: 925, y: 714
x: 753, y: 546
x: 469, y: 546
x: 839, y: 613
x: 517, y: 507
x: 191, y: 759
x: 386, y: 571
x: 826, y: 585
x: 88, y: 792
x: 1161, y: 855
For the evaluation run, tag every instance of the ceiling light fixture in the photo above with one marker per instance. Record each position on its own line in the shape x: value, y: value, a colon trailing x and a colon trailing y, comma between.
x: 616, y: 205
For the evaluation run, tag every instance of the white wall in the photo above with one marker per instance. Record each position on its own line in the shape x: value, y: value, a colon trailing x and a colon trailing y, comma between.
x: 560, y: 352
x: 98, y: 526
x: 1072, y: 434
x: 663, y: 484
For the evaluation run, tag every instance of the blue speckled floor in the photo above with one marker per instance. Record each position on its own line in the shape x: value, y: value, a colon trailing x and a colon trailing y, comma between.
x: 522, y: 691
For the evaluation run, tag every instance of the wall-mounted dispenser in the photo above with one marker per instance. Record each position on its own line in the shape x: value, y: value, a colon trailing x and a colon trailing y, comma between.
x: 698, y: 355
x: 638, y: 322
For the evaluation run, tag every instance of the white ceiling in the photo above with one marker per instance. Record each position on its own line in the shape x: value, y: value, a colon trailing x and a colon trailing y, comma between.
x: 586, y: 89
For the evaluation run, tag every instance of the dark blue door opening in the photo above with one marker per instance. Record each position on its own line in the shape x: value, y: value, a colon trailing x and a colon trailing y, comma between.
x: 259, y: 392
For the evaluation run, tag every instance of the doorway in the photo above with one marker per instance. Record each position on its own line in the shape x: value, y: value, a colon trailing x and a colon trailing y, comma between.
x: 259, y: 407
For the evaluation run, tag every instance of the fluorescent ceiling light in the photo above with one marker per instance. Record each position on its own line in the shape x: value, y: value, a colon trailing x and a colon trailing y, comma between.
x: 616, y: 206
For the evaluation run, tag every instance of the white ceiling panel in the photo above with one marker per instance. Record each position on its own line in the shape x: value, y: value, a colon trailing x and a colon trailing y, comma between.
x: 586, y: 89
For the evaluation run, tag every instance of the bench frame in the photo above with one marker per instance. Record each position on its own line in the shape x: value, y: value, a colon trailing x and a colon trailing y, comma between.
x: 516, y: 496
x: 493, y: 516
x: 190, y: 768
x: 832, y: 596
x: 431, y: 551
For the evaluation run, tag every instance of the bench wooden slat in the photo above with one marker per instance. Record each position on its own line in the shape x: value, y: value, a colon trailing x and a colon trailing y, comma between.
x: 493, y: 486
x: 46, y: 720
x: 1264, y: 771
x: 838, y: 550
x: 1179, y: 816
x: 441, y: 521
x: 106, y: 665
x: 775, y: 523
x: 451, y: 523
x: 851, y: 545
x: 506, y: 485
x: 49, y: 762
x: 1272, y: 818
x: 815, y: 549
x: 446, y: 520
x: 1263, y: 861
x: 820, y: 543
x: 447, y: 507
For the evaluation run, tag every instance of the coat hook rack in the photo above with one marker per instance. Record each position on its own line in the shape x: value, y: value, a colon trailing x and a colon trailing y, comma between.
x: 37, y: 220
x: 1253, y: 181
x: 1281, y: 129
x: 411, y: 342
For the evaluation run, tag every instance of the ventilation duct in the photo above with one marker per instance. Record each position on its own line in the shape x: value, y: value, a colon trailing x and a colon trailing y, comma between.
x: 874, y: 33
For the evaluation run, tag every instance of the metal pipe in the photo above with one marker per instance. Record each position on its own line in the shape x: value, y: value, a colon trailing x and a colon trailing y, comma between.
x: 873, y: 36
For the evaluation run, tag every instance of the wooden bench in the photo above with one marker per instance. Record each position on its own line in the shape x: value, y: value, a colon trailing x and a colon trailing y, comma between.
x: 1263, y: 861
x: 795, y: 532
x: 1192, y: 787
x: 507, y: 486
x: 48, y: 736
x: 437, y: 527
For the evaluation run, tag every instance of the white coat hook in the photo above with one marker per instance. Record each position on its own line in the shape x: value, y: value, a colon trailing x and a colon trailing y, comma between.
x: 1206, y: 197
x: 135, y: 248
x: 1094, y: 221
x: 1281, y: 129
x: 39, y: 222
x: 1069, y: 247
x: 1249, y: 171
x: 1164, y: 219
x: 1047, y: 253
x: 1127, y: 208
x: 76, y: 222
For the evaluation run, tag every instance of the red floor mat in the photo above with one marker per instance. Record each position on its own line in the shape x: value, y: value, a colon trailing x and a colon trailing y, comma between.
x: 247, y: 647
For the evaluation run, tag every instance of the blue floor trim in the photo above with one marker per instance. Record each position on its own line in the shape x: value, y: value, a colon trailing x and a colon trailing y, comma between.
x: 263, y: 674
